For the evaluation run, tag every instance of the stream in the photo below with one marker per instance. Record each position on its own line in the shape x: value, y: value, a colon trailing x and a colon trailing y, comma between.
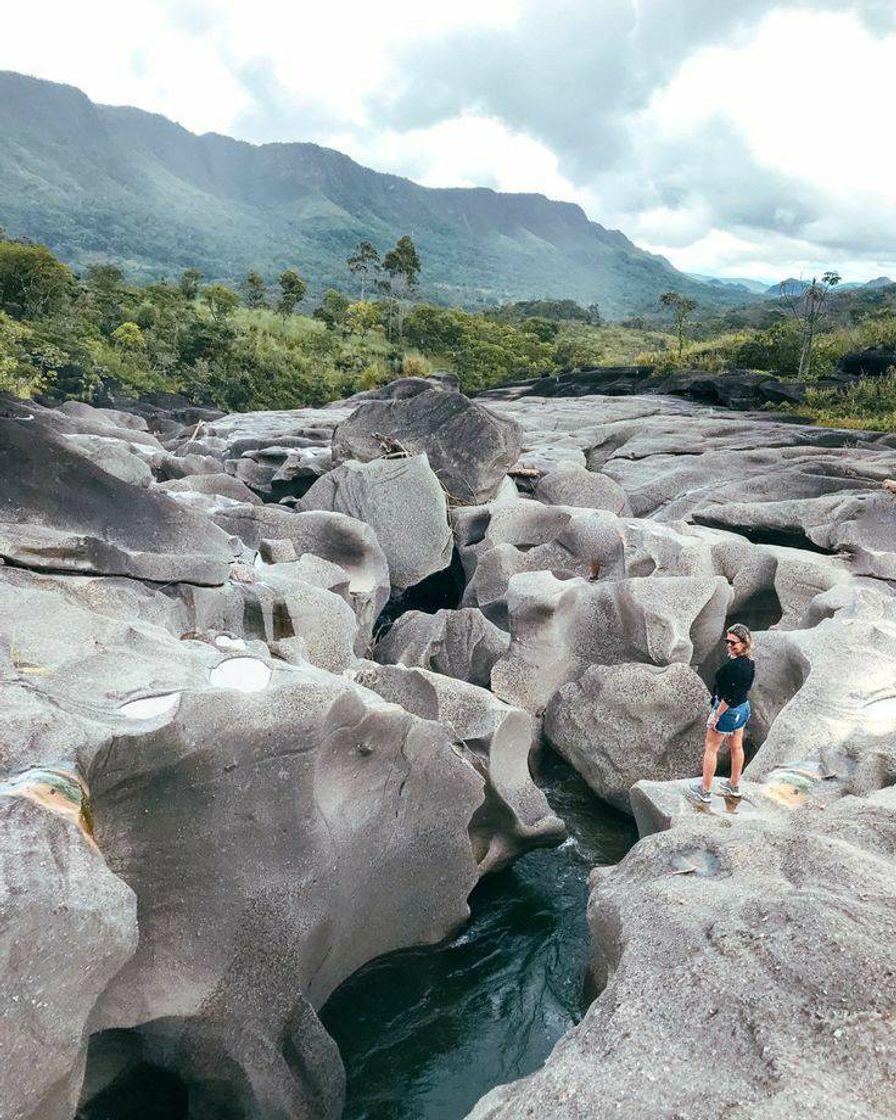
x: 425, y: 1033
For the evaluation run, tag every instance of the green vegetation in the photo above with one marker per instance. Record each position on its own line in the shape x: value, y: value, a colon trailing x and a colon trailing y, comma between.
x: 76, y: 337
x: 869, y: 403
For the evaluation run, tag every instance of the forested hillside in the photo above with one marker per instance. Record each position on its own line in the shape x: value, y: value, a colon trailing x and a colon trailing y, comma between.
x: 100, y: 183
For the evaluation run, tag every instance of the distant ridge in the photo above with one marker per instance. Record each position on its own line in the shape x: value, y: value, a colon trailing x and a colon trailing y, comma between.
x: 97, y: 182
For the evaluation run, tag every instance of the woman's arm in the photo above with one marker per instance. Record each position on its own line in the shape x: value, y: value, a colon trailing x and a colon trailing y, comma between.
x: 714, y: 715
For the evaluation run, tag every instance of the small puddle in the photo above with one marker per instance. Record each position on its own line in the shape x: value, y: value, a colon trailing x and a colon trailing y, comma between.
x: 425, y: 1033
x: 245, y: 674
x: 150, y: 707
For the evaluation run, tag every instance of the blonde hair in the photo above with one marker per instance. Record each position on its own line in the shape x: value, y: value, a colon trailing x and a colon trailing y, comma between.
x: 742, y: 633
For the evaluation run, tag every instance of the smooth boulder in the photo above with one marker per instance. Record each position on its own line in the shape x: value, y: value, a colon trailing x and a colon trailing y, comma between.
x: 402, y: 501
x: 619, y: 724
x: 469, y: 447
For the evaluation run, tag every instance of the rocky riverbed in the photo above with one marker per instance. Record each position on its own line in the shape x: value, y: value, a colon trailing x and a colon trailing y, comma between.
x: 274, y: 687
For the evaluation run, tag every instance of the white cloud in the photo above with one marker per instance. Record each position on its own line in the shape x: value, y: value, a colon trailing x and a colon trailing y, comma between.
x: 808, y: 180
x: 466, y: 151
x: 131, y: 57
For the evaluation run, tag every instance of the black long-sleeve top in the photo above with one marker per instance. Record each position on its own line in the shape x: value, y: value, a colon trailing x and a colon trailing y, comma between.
x: 733, y: 681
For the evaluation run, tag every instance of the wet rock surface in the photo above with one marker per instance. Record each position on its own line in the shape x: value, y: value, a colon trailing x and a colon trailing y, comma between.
x: 281, y: 681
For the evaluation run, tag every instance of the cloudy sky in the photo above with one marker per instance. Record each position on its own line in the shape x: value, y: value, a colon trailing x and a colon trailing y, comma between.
x: 737, y: 137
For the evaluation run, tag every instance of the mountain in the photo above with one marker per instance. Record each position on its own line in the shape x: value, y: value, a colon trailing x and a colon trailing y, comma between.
x: 877, y: 282
x: 797, y: 287
x: 756, y: 287
x: 97, y: 182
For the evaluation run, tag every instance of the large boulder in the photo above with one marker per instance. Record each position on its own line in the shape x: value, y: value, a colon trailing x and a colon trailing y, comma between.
x: 67, y: 925
x: 619, y: 724
x: 558, y: 628
x: 402, y: 501
x: 462, y: 644
x: 746, y: 971
x: 873, y: 361
x: 861, y: 527
x: 469, y: 447
x: 59, y: 510
x: 342, y: 540
x: 517, y: 537
x: 570, y: 485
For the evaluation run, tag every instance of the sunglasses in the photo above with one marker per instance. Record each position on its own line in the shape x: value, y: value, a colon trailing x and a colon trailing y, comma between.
x: 732, y: 641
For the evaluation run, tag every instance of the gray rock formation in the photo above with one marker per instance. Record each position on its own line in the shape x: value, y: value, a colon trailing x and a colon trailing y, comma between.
x: 58, y: 510
x: 189, y: 652
x: 618, y: 724
x: 462, y: 644
x: 558, y: 628
x: 67, y: 925
x: 283, y: 784
x: 402, y: 501
x: 762, y: 952
x: 500, y: 740
x: 470, y: 448
x: 498, y: 543
x: 342, y: 540
x: 570, y: 485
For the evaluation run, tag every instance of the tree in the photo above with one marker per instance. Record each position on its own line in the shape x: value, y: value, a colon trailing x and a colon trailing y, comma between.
x: 129, y: 336
x: 402, y: 267
x: 221, y: 301
x: 682, y: 309
x: 544, y: 329
x: 594, y: 314
x: 32, y: 281
x: 807, y: 304
x: 361, y: 317
x: 107, y: 295
x: 292, y: 291
x: 364, y: 263
x: 254, y: 290
x: 190, y: 279
x: 332, y: 308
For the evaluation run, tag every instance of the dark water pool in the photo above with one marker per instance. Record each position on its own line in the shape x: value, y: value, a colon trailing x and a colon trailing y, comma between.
x: 424, y: 1034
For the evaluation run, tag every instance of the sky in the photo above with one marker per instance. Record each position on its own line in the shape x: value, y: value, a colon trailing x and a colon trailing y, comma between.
x: 742, y: 138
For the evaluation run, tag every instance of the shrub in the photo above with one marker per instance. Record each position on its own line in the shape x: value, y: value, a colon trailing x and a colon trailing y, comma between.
x: 412, y: 365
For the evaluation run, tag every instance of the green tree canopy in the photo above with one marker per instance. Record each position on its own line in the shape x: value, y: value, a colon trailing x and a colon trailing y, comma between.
x: 32, y: 282
x: 190, y: 279
x: 292, y: 291
x: 332, y: 308
x: 221, y: 301
x: 403, y: 265
x: 254, y: 290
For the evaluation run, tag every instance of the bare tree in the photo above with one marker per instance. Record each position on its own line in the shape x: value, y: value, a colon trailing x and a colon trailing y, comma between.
x: 806, y: 303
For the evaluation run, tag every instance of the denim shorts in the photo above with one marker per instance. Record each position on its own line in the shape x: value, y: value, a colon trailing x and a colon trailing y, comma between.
x: 732, y: 719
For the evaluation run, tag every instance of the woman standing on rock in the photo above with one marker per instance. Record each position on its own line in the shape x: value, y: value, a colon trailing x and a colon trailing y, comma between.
x: 730, y: 712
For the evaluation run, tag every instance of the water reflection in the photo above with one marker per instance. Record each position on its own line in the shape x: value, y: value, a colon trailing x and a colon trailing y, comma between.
x: 424, y: 1034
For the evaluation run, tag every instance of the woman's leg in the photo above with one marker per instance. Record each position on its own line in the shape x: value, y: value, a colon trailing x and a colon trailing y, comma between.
x: 710, y: 755
x: 737, y: 755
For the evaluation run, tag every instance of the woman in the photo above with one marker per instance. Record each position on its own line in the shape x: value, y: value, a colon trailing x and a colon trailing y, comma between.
x: 730, y: 712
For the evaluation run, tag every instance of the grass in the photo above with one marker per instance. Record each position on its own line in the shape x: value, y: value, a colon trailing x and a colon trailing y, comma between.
x: 869, y: 404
